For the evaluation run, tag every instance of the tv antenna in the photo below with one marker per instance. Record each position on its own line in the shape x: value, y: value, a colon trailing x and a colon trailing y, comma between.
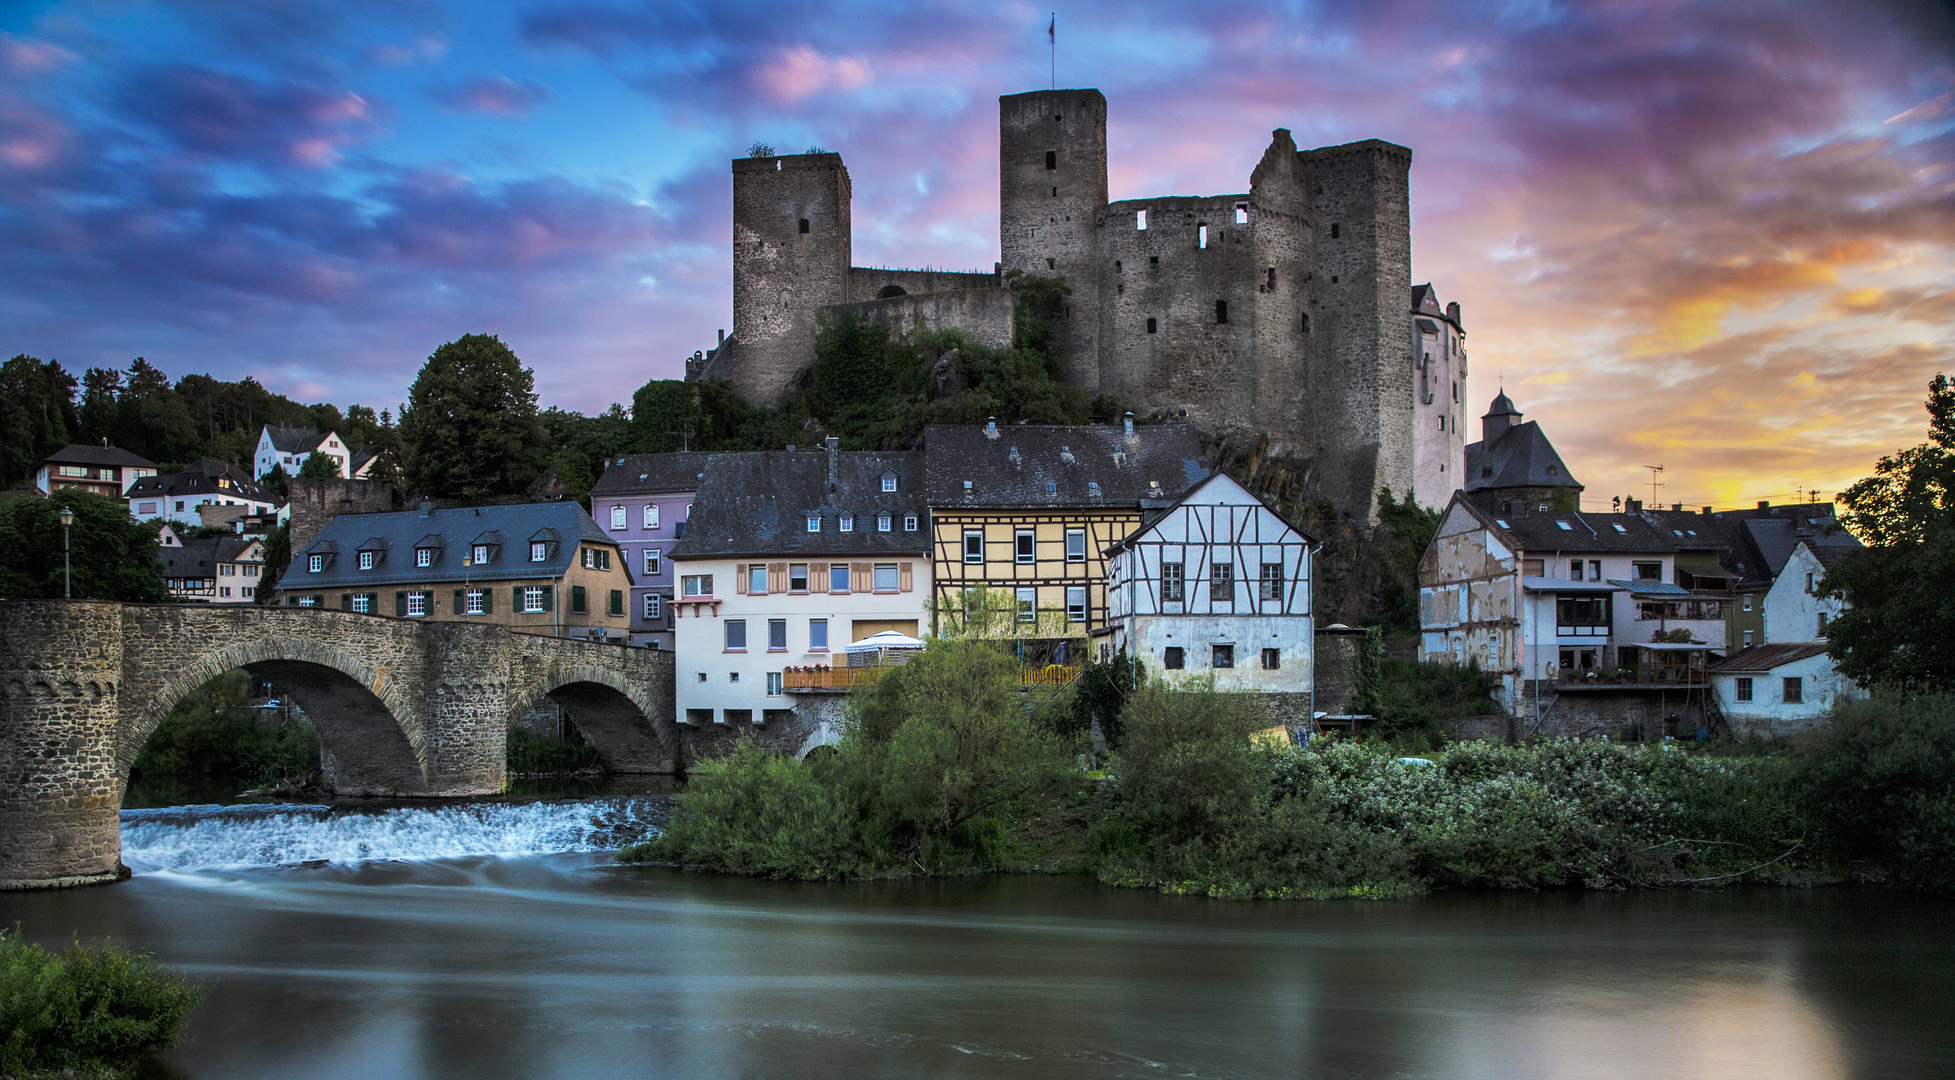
x: 684, y: 432
x: 1654, y: 483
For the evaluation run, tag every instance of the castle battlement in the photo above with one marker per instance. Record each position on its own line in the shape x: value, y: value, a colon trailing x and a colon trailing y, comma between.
x: 1284, y: 314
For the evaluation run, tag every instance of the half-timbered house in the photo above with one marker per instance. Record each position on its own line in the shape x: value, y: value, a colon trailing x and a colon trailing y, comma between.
x: 1217, y: 584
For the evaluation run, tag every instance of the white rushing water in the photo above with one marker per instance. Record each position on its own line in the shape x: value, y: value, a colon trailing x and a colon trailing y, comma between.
x: 232, y: 837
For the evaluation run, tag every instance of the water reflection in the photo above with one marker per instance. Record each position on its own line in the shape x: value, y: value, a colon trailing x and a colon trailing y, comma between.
x: 563, y: 966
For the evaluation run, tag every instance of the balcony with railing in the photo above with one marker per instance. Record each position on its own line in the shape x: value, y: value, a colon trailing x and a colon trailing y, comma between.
x: 834, y: 680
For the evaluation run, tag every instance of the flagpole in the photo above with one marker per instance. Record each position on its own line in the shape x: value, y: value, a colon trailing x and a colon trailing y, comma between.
x: 1052, y: 37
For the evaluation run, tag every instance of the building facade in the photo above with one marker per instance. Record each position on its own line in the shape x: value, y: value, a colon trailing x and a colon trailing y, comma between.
x: 287, y: 448
x: 179, y: 497
x: 1276, y: 314
x: 1775, y: 691
x: 1022, y: 518
x: 788, y: 558
x: 211, y: 570
x: 542, y: 568
x: 107, y: 471
x: 1217, y: 585
x: 642, y: 501
x: 1514, y: 465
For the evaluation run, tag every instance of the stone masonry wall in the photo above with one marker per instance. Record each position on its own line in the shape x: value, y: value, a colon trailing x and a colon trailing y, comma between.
x: 985, y: 314
x: 781, y: 275
x: 1047, y: 216
x: 317, y: 500
x: 403, y: 707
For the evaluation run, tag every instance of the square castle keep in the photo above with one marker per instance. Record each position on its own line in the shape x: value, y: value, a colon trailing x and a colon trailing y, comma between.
x: 1285, y: 314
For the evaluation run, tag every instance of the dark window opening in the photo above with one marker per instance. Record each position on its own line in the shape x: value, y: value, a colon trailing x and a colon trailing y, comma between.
x: 1224, y: 656
x: 1272, y: 660
x: 1333, y: 232
x: 888, y: 291
x: 1306, y: 322
x: 804, y: 224
x: 1055, y: 193
x: 1051, y: 265
x: 1333, y: 279
x: 1058, y: 118
x: 1150, y: 326
x: 1221, y: 311
x: 1172, y: 658
x: 1272, y: 279
x: 1153, y: 260
x: 1052, y: 159
x: 1116, y: 266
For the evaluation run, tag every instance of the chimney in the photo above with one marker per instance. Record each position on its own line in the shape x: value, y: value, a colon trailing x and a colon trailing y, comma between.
x: 1635, y: 506
x: 790, y: 448
x: 990, y: 427
x: 834, y: 462
x: 425, y: 507
x: 722, y: 335
x: 1452, y: 312
x: 1676, y: 508
x: 1127, y: 425
x: 1707, y: 511
x: 1764, y: 504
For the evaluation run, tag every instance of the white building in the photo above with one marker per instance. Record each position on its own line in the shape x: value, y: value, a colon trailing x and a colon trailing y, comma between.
x: 1779, y: 690
x: 787, y: 558
x: 212, y: 570
x: 1216, y: 584
x: 1439, y: 407
x: 180, y: 497
x: 1794, y: 611
x: 1562, y: 596
x: 288, y: 447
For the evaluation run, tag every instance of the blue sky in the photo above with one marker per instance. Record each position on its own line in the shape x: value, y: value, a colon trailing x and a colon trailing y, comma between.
x: 1711, y: 235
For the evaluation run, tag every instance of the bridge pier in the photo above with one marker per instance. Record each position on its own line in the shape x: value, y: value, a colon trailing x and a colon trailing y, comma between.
x: 404, y: 708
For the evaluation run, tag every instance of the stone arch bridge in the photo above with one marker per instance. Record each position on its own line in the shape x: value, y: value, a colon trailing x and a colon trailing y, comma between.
x: 403, y: 707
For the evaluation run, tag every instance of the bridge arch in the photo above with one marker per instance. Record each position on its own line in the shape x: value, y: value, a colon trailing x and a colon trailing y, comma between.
x: 617, y: 716
x: 371, y: 739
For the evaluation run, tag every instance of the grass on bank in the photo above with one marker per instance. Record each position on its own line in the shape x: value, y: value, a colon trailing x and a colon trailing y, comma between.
x: 91, y: 1009
x: 949, y: 769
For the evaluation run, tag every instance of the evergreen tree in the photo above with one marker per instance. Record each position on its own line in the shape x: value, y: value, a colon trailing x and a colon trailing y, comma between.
x: 114, y: 556
x: 37, y: 415
x: 320, y: 466
x: 470, y: 426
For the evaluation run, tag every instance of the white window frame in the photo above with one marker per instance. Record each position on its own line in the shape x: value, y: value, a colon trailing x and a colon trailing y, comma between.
x: 757, y: 579
x: 481, y: 554
x: 696, y: 585
x: 909, y: 522
x: 895, y: 578
x: 417, y: 604
x: 315, y: 564
x: 772, y: 625
x: 1076, y: 603
x: 883, y: 521
x: 366, y: 560
x: 652, y: 565
x: 817, y: 645
x: 846, y: 523
x: 653, y: 607
x: 814, y: 523
x: 1078, y: 555
x: 726, y: 639
x: 1024, y: 558
x: 651, y: 516
x: 889, y: 483
x: 532, y: 599
x: 423, y: 557
x: 361, y: 604
x: 473, y: 601
x: 1026, y: 600
x: 973, y: 557
x: 618, y: 519
x: 774, y: 687
x: 539, y: 550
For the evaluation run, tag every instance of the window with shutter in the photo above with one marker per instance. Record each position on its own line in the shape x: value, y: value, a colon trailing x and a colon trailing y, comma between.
x: 907, y: 581
x: 400, y: 603
x: 577, y: 605
x: 549, y: 597
x: 460, y: 603
x: 860, y: 577
x: 819, y: 579
x: 617, y: 602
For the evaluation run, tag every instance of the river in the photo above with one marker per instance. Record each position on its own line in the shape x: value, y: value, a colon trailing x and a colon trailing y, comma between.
x: 496, y: 940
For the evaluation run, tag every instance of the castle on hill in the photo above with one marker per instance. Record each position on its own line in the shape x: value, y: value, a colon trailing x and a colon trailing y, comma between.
x: 1285, y: 313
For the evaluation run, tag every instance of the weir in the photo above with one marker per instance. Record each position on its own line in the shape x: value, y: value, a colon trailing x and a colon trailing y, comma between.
x: 404, y: 708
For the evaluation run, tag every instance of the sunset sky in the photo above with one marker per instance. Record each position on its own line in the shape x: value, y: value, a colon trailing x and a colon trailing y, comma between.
x: 1716, y: 236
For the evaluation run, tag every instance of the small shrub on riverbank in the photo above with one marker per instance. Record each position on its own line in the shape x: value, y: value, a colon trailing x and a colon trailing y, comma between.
x: 531, y: 754
x: 942, y: 765
x: 1880, y: 776
x: 94, y: 1010
x: 214, y: 745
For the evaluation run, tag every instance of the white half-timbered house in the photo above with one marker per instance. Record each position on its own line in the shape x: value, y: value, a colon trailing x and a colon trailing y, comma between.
x: 1217, y: 583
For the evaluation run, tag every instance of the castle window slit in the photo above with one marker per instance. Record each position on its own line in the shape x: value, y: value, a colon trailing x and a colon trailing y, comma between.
x: 1052, y: 159
x: 1201, y: 236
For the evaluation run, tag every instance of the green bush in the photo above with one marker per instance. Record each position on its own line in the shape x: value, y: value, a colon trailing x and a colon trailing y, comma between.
x: 943, y: 760
x: 1881, y: 777
x: 91, y: 1009
x: 529, y: 753
x: 213, y: 745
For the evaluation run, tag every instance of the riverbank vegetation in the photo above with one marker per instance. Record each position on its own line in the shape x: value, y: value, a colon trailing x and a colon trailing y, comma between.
x: 950, y: 769
x: 541, y: 755
x: 90, y: 1011
x: 216, y: 745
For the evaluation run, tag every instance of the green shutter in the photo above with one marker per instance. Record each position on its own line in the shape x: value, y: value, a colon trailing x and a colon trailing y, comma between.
x: 429, y: 602
x: 577, y: 599
x: 488, y: 601
x: 461, y: 602
x: 617, y: 602
x: 346, y: 601
x: 549, y: 597
x: 400, y: 604
x: 373, y: 603
x: 516, y: 599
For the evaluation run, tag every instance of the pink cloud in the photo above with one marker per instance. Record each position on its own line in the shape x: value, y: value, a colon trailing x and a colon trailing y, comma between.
x: 798, y: 73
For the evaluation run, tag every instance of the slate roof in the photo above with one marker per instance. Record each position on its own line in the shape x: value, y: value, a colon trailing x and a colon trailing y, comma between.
x: 1776, y: 537
x: 201, y: 479
x: 396, y: 533
x: 1521, y: 457
x: 294, y: 440
x: 758, y: 504
x: 1070, y: 466
x: 1621, y: 533
x: 653, y: 474
x: 199, y: 558
x: 1767, y: 657
x: 84, y: 454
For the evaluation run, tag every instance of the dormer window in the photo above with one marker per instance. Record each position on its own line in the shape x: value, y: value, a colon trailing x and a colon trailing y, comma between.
x: 909, y: 522
x: 847, y: 523
x: 889, y: 481
x: 366, y: 560
x: 538, y: 551
x: 424, y: 556
x: 814, y: 523
x: 883, y: 521
x: 481, y: 554
x: 315, y: 564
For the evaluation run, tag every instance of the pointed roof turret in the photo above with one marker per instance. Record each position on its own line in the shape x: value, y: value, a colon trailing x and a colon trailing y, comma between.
x: 1500, y: 417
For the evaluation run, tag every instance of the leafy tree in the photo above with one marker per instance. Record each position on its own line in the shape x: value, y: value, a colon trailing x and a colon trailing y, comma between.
x: 579, y: 444
x: 114, y: 557
x: 1895, y: 631
x: 37, y: 415
x: 277, y: 481
x: 1406, y: 530
x: 470, y: 426
x: 278, y: 556
x: 214, y: 744
x: 320, y: 466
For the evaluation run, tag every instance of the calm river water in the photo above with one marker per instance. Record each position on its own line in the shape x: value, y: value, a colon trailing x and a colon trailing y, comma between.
x: 412, y: 953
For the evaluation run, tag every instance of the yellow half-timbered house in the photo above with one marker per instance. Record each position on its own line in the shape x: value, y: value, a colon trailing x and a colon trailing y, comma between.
x: 1022, y: 516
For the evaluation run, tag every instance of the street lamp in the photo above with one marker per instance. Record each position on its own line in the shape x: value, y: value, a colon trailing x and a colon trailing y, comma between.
x: 67, y: 564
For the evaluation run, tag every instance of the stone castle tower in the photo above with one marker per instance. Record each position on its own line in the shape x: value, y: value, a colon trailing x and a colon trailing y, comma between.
x: 1286, y: 312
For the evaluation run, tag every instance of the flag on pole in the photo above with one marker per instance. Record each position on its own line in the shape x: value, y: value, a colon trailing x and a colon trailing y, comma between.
x: 1051, y: 28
